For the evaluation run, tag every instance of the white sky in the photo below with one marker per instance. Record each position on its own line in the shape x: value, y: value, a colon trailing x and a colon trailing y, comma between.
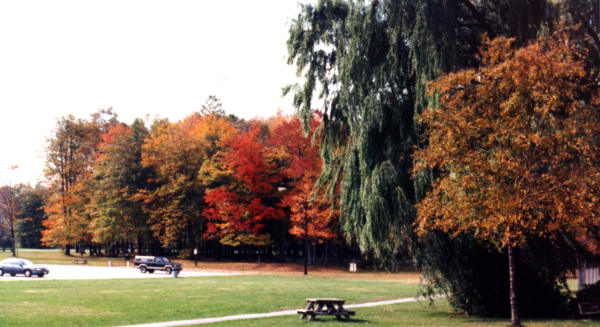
x: 140, y: 57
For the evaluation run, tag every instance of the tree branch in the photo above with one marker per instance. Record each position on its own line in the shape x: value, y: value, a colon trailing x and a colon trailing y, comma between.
x: 595, y: 41
x: 480, y: 17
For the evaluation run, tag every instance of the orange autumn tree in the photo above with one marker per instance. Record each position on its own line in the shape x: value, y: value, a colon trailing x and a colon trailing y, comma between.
x: 515, y: 147
x: 178, y: 152
x: 70, y: 156
x: 310, y: 214
x: 237, y: 212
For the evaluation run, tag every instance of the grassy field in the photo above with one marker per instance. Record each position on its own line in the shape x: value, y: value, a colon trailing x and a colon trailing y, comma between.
x: 117, y: 302
x: 407, y: 314
x: 120, y: 302
x: 55, y: 256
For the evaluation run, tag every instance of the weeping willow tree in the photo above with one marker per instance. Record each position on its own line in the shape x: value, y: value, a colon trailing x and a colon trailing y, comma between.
x: 365, y: 66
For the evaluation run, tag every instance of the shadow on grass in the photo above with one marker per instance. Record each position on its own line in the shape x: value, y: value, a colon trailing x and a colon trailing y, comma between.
x: 444, y: 315
x: 441, y: 311
x: 343, y: 321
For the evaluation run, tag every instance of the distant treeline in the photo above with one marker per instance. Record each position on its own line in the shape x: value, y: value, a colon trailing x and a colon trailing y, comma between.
x: 228, y: 187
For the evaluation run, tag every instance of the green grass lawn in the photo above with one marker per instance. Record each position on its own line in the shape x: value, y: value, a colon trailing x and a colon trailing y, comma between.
x: 407, y: 314
x: 56, y: 256
x: 118, y: 302
x: 131, y: 301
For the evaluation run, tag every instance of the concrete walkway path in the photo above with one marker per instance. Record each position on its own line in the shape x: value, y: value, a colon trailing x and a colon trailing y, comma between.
x: 265, y: 315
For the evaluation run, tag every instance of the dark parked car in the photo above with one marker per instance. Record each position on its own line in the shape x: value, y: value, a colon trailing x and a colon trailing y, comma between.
x: 148, y: 263
x: 15, y: 266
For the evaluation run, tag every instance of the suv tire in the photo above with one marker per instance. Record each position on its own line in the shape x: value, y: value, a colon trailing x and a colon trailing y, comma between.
x: 1, y: 271
x: 143, y: 269
x: 168, y: 270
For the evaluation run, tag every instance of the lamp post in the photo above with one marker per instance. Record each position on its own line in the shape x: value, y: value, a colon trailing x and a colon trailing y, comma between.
x: 196, y: 257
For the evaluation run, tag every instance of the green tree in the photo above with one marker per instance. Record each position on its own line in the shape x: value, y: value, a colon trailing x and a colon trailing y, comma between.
x: 117, y: 177
x: 9, y: 208
x: 31, y: 215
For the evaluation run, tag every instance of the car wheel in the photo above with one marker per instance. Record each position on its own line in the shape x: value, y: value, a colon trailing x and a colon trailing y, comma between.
x: 41, y: 275
x: 1, y: 271
x: 13, y: 275
x: 151, y: 271
x: 168, y: 270
x: 143, y: 269
x: 27, y: 273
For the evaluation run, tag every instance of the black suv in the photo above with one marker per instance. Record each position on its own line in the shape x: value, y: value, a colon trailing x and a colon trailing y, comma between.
x: 149, y: 264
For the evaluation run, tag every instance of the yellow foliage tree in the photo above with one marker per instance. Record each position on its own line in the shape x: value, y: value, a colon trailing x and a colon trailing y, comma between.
x: 177, y: 152
x: 515, y: 147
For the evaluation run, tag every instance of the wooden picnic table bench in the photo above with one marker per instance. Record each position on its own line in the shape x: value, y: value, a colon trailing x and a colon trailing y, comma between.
x: 325, y: 306
x: 589, y: 308
x: 82, y: 261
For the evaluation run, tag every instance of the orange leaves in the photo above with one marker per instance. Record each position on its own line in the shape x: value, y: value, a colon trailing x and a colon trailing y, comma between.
x: 261, y: 160
x: 514, y: 144
x: 180, y: 154
x: 246, y: 158
x: 310, y: 214
x: 237, y: 212
x: 114, y: 132
x: 235, y: 221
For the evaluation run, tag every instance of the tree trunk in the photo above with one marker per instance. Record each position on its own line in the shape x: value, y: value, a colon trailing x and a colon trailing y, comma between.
x: 306, y: 253
x: 306, y: 245
x: 514, y: 309
x: 12, y: 238
x: 68, y: 249
x: 326, y: 256
x: 140, y: 245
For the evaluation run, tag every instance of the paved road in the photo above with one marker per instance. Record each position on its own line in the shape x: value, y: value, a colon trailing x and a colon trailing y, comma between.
x: 99, y: 272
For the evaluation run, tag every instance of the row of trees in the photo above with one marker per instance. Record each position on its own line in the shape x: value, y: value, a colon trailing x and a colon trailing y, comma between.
x: 21, y: 216
x: 175, y: 185
x: 493, y: 124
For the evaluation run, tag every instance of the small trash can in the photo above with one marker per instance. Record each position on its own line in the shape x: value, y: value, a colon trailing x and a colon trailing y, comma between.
x: 352, y: 267
x: 176, y: 273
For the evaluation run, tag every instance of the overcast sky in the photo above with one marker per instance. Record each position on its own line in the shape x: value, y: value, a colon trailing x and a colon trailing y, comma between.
x: 140, y: 57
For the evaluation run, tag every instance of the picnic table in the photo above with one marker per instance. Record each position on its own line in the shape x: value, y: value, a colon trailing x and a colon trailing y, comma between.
x: 325, y: 306
x: 82, y: 261
x: 589, y: 308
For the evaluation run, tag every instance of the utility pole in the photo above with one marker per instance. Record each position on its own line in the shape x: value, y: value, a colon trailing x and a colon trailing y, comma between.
x: 306, y: 247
